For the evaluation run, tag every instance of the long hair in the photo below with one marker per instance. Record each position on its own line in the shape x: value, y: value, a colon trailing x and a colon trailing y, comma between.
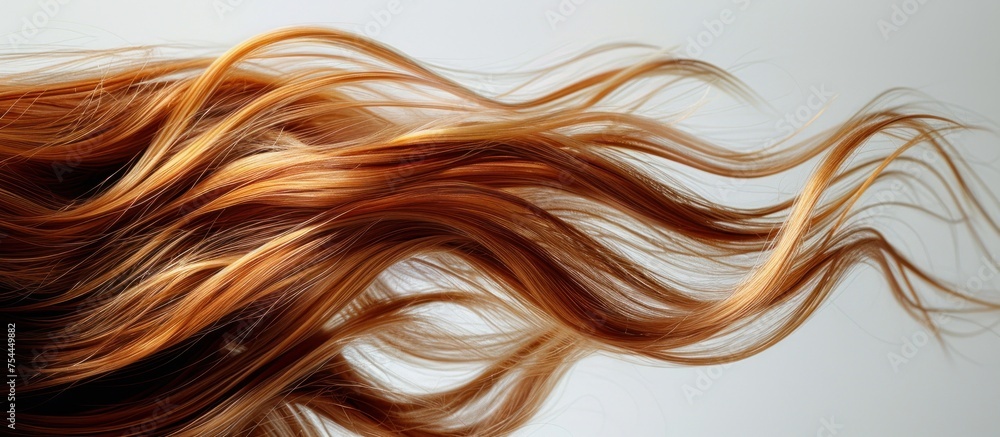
x: 246, y: 244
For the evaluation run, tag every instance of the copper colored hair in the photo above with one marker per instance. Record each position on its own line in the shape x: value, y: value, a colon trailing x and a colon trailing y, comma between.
x: 226, y: 245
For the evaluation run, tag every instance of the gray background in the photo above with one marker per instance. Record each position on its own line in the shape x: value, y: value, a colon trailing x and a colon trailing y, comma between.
x: 832, y: 377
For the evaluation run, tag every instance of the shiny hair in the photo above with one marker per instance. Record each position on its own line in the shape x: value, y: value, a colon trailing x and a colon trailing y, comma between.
x: 255, y: 243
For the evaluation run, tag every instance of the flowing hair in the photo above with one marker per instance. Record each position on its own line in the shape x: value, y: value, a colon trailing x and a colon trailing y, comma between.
x: 255, y: 243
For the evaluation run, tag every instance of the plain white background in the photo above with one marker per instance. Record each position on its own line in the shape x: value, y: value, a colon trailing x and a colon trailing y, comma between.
x: 838, y: 374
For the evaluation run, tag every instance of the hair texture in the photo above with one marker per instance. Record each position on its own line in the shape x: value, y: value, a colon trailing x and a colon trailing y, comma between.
x: 246, y: 244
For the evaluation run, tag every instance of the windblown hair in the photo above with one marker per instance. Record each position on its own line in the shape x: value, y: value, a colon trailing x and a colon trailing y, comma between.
x: 246, y: 244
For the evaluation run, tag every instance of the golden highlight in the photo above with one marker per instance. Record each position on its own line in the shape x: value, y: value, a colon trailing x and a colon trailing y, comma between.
x: 244, y: 245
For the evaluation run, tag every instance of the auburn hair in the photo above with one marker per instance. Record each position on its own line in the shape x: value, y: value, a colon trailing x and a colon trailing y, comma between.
x: 247, y: 243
